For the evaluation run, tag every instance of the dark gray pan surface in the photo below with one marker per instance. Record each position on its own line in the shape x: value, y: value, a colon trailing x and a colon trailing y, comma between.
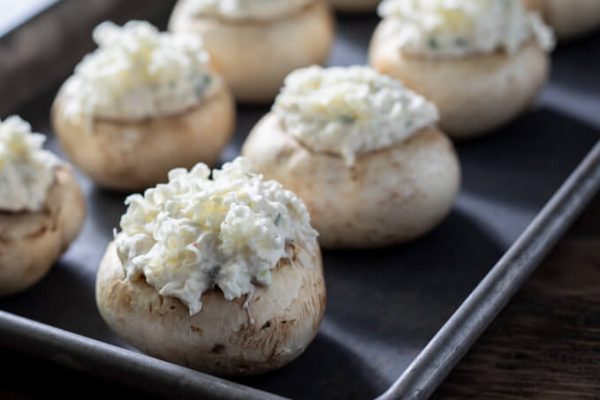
x: 384, y: 305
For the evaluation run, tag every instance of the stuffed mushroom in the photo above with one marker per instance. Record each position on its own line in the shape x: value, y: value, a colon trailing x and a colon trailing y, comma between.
x: 142, y: 104
x: 482, y: 62
x: 354, y: 6
x: 223, y: 275
x: 41, y: 207
x: 569, y: 18
x: 363, y: 153
x: 256, y: 43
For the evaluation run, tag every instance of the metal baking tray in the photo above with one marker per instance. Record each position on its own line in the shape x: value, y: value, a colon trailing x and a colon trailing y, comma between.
x: 398, y: 318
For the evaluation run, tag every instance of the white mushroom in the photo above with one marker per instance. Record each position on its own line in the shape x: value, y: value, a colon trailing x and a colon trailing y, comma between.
x: 474, y: 94
x: 227, y: 278
x: 127, y: 117
x: 481, y: 65
x: 258, y: 42
x: 32, y: 235
x: 338, y: 139
x: 569, y: 18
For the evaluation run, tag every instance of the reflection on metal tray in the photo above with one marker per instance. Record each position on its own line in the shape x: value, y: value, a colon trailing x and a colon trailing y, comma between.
x: 385, y: 305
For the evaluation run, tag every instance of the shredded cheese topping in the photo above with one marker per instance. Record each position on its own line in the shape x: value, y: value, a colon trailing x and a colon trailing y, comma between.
x: 350, y: 110
x: 137, y: 73
x: 26, y: 170
x: 195, y: 233
x: 456, y: 28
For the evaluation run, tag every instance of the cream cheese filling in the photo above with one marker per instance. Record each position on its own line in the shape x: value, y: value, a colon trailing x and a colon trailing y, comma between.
x: 26, y: 169
x: 195, y: 233
x: 458, y: 28
x: 350, y: 110
x: 136, y: 73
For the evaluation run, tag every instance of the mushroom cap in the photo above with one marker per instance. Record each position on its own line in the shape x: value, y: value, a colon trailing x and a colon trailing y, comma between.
x: 133, y: 155
x: 225, y: 337
x: 354, y: 6
x: 572, y: 18
x: 30, y: 242
x: 388, y: 196
x: 474, y: 94
x: 256, y: 56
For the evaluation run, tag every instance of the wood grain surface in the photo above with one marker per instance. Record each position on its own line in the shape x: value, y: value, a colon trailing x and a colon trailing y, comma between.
x: 546, y: 342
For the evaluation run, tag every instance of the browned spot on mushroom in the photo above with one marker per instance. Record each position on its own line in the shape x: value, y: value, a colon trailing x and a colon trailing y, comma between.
x: 266, y: 325
x: 199, y: 331
x: 125, y: 299
x: 138, y: 279
x: 38, y: 233
x: 354, y: 174
x: 274, y: 351
x: 218, y: 348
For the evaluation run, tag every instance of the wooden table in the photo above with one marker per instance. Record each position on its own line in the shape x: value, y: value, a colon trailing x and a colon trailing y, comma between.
x: 546, y: 342
x: 544, y: 345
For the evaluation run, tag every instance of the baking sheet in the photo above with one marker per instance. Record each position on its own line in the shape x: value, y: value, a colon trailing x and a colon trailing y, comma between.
x: 384, y: 305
